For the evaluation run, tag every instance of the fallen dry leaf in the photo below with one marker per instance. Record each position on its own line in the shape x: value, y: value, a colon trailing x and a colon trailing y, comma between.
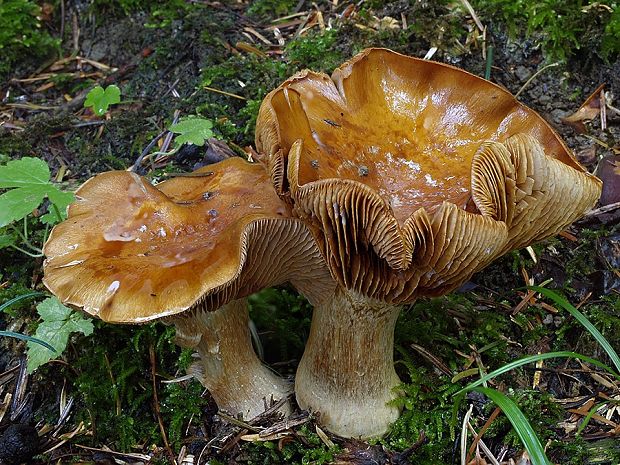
x: 608, y: 171
x: 590, y: 109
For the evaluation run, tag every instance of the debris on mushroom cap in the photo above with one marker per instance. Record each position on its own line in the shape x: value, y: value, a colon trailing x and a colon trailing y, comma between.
x: 416, y: 174
x: 132, y: 252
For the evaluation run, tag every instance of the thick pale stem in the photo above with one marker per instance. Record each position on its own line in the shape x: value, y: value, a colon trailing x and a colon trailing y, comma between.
x: 347, y: 370
x: 228, y: 366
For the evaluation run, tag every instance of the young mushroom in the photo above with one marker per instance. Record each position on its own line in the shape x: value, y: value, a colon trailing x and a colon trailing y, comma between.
x: 413, y: 175
x: 187, y: 251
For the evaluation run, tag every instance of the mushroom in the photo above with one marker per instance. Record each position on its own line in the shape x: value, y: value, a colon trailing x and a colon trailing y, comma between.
x: 187, y: 251
x: 413, y: 175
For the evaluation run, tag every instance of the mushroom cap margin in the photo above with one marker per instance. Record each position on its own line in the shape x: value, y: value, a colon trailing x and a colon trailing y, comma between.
x: 131, y: 252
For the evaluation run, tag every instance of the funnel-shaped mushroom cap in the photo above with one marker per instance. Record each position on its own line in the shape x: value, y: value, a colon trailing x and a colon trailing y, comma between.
x: 416, y: 173
x: 132, y: 252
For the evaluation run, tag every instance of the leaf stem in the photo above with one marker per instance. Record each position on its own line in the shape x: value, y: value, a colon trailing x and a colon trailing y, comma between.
x: 26, y: 242
x: 45, y: 234
x: 57, y: 211
x: 40, y: 254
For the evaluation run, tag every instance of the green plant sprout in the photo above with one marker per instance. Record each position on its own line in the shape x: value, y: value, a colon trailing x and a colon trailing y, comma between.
x: 52, y: 334
x: 192, y: 130
x: 520, y: 424
x: 57, y: 325
x: 28, y: 183
x: 100, y: 100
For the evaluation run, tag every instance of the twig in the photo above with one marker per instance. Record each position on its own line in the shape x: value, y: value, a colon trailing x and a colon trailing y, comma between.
x: 473, y: 14
x: 239, y: 423
x: 170, y: 135
x: 88, y: 123
x: 223, y: 92
x: 156, y: 406
x: 534, y: 76
x: 117, y: 454
x: 76, y: 33
x: 599, y: 211
x: 436, y: 361
x: 478, y: 437
x: 603, y: 112
x: 284, y: 425
x: 62, y: 21
x: 484, y: 447
x: 146, y: 150
x: 117, y: 399
x: 20, y: 388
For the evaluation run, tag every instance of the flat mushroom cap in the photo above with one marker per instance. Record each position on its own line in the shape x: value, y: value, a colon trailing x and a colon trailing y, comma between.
x: 415, y: 173
x: 132, y: 252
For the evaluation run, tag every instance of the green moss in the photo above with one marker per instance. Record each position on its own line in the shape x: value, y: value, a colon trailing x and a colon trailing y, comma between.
x: 179, y: 403
x: 561, y: 27
x: 432, y: 324
x: 248, y: 76
x: 315, y: 51
x: 573, y: 452
x: 162, y: 11
x: 283, y: 319
x: 582, y: 256
x: 427, y: 406
x: 114, y: 379
x: 263, y: 9
x: 426, y: 398
x: 610, y: 43
x: 22, y: 36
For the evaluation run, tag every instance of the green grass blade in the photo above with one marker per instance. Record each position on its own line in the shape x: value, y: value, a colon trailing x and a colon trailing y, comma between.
x: 520, y: 424
x: 566, y: 305
x: 23, y: 337
x: 533, y: 359
x: 588, y: 417
x: 8, y: 303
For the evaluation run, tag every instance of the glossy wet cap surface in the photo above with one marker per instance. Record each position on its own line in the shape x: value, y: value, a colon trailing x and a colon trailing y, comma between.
x: 405, y: 127
x: 131, y: 252
x: 416, y: 174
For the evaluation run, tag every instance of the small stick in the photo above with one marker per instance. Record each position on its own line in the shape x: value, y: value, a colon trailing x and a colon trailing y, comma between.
x: 534, y: 76
x: 484, y: 447
x: 478, y: 437
x: 239, y: 423
x: 599, y: 211
x: 473, y: 14
x: 146, y: 150
x: 223, y: 92
x: 156, y: 406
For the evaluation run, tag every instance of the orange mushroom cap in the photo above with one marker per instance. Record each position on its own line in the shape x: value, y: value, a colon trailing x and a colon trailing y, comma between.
x: 416, y: 174
x: 132, y: 252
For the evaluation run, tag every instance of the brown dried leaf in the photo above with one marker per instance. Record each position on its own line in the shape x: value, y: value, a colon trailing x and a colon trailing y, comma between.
x: 589, y: 110
x: 608, y: 171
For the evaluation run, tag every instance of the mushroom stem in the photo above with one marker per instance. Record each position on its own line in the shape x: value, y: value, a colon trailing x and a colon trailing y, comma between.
x: 347, y: 370
x: 228, y: 367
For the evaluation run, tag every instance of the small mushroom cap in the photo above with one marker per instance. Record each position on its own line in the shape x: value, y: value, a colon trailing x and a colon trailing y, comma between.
x: 416, y: 174
x: 132, y: 252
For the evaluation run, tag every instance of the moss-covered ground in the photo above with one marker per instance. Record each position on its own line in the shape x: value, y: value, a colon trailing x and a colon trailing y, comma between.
x: 209, y: 59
